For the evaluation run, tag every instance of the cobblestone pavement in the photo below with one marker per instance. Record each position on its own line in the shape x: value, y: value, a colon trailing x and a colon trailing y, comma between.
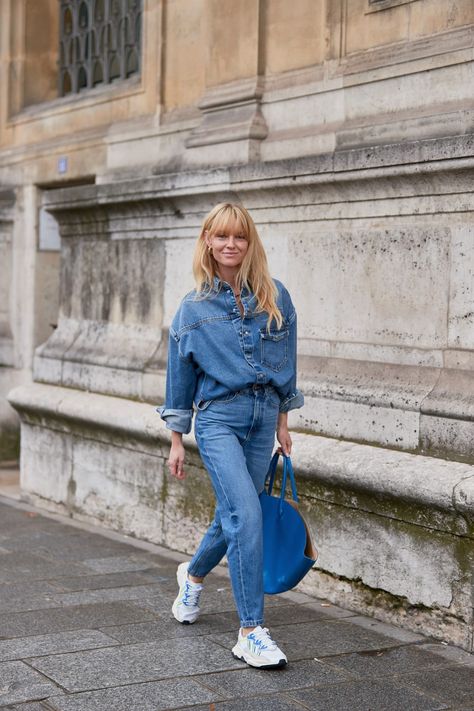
x: 85, y: 625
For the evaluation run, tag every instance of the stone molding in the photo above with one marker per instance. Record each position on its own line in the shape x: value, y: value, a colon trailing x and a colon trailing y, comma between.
x: 411, y: 158
x: 230, y: 112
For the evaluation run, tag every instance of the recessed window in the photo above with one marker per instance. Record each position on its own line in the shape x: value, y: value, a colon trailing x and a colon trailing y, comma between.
x: 100, y: 43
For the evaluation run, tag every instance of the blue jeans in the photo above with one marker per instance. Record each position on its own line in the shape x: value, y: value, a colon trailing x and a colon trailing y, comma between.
x: 236, y: 437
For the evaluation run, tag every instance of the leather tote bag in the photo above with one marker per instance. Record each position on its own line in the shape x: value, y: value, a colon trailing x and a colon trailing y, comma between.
x: 288, y: 551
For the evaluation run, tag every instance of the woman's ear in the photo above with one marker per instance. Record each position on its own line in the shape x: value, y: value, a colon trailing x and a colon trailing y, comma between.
x: 206, y: 237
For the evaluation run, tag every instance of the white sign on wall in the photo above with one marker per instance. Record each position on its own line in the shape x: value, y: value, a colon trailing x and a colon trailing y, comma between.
x: 49, y: 238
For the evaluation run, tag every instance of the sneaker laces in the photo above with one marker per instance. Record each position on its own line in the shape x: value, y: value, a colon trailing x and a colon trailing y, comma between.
x: 191, y: 594
x: 261, y: 638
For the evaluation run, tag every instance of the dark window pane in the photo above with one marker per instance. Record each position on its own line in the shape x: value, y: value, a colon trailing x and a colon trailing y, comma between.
x: 66, y: 86
x: 132, y: 63
x: 82, y: 79
x: 67, y: 21
x: 114, y: 68
x: 83, y: 16
x: 98, y: 76
x: 99, y: 13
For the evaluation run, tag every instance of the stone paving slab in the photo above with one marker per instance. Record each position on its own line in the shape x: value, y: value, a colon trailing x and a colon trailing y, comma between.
x: 35, y: 588
x: 248, y: 682
x: 387, y: 662
x: 23, y: 647
x: 27, y: 566
x: 372, y: 694
x: 59, y: 619
x: 166, y: 628
x: 127, y: 664
x: 33, y: 706
x: 20, y: 683
x: 63, y: 547
x: 450, y: 684
x: 116, y: 564
x: 109, y: 580
x: 100, y: 637
x: 127, y: 592
x: 257, y: 703
x: 148, y: 696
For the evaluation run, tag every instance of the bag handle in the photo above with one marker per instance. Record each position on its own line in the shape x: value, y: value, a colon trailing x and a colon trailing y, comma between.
x: 270, y: 478
x: 287, y: 469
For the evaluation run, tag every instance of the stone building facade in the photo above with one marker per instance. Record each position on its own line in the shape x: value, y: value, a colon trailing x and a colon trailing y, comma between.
x: 346, y: 127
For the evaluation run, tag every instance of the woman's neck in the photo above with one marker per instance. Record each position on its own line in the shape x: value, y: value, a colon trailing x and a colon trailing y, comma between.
x: 229, y: 276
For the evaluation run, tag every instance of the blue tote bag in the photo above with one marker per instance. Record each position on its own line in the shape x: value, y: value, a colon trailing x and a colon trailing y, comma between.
x: 288, y: 551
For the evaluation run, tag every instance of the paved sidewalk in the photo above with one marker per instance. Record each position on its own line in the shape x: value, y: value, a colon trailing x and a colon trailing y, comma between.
x: 85, y: 625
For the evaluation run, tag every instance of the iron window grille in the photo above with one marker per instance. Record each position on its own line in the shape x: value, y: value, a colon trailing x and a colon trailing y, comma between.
x: 99, y: 43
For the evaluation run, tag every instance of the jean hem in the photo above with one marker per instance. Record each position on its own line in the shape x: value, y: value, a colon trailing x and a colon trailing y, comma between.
x: 251, y: 623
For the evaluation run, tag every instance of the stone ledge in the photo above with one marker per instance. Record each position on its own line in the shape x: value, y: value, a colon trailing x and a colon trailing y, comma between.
x: 391, y: 528
x: 384, y: 474
x: 371, y: 162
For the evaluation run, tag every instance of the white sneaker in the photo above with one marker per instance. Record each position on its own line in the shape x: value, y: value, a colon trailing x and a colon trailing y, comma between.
x: 186, y: 606
x: 259, y: 650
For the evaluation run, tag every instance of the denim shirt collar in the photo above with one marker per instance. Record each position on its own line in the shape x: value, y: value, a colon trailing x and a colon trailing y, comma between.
x: 218, y: 282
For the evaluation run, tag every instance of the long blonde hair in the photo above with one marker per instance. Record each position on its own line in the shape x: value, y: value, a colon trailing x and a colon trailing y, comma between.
x: 253, y: 272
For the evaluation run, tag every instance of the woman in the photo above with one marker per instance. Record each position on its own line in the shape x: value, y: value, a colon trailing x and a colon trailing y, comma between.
x: 232, y: 352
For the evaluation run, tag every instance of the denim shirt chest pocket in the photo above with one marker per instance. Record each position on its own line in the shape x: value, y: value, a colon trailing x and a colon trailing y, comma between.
x: 274, y: 347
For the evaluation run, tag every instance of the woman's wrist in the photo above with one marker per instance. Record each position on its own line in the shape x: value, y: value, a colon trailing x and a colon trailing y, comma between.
x: 282, y: 420
x: 176, y: 437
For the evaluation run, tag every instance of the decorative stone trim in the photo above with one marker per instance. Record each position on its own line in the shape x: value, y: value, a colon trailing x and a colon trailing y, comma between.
x: 231, y: 112
x: 376, y: 5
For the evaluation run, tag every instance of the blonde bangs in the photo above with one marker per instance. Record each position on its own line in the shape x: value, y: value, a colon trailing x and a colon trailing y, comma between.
x: 227, y: 217
x: 253, y: 272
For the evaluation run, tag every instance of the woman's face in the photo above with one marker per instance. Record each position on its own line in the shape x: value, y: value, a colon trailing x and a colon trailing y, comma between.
x: 229, y: 245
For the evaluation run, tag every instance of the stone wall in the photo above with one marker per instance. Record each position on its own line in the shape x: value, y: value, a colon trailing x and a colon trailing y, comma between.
x: 383, y: 360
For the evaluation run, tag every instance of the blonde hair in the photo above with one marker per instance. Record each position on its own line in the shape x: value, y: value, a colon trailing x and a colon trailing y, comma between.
x: 253, y: 272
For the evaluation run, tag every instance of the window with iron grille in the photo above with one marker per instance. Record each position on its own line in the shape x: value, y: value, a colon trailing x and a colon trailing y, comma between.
x: 100, y: 43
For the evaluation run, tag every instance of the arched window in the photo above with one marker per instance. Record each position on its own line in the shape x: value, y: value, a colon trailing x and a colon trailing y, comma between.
x: 97, y: 43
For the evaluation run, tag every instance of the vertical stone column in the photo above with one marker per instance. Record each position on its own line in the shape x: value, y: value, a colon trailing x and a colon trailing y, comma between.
x: 15, y: 14
x: 9, y: 434
x: 232, y: 123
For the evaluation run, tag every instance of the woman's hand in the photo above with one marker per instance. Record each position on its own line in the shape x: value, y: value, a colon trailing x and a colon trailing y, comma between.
x: 176, y: 458
x: 283, y: 436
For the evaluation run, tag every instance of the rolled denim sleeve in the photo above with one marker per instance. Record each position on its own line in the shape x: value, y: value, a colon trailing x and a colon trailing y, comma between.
x: 292, y: 398
x: 181, y: 380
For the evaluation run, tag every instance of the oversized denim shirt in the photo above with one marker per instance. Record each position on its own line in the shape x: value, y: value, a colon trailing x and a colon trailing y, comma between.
x: 213, y: 351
